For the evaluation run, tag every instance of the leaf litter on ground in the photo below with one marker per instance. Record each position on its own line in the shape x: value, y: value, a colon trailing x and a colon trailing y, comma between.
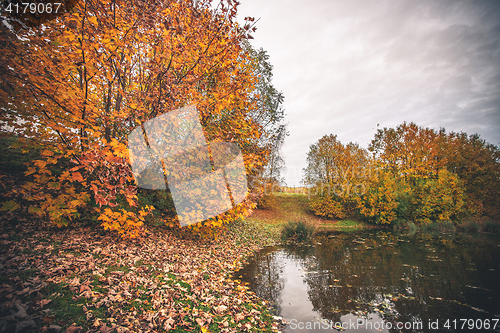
x: 83, y: 280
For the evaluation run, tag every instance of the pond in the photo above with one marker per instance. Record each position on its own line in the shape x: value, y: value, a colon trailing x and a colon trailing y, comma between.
x: 382, y: 281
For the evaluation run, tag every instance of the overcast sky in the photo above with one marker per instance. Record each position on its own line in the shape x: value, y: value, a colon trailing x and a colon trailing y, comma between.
x: 345, y: 66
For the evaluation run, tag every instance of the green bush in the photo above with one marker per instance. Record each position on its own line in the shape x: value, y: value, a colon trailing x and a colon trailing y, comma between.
x: 161, y: 200
x: 470, y: 226
x: 297, y: 232
x: 441, y: 226
x: 492, y: 226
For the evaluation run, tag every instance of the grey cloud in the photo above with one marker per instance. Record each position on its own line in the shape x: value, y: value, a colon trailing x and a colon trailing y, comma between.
x: 346, y: 65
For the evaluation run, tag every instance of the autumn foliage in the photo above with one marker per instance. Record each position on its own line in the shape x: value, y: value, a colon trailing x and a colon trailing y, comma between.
x: 414, y: 174
x: 77, y: 85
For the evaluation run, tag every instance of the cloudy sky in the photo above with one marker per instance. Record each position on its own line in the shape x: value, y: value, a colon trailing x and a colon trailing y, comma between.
x: 345, y: 66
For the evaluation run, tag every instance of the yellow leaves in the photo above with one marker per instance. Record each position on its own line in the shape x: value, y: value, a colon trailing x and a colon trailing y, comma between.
x: 327, y: 207
x: 75, y: 203
x: 92, y: 19
x: 204, y: 329
x: 126, y: 223
x: 379, y: 203
x: 119, y: 149
x: 438, y: 199
x: 146, y: 212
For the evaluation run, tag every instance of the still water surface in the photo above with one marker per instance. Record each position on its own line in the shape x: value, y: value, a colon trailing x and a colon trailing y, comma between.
x: 378, y: 281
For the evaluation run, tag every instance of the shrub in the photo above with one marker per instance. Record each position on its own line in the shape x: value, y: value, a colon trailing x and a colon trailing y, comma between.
x: 412, y: 228
x: 444, y: 226
x: 162, y: 202
x: 470, y: 225
x: 297, y: 232
x: 327, y: 207
x: 379, y: 205
x: 440, y: 199
x: 491, y: 226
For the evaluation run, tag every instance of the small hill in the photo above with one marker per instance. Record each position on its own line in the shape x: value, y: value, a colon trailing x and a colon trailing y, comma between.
x: 286, y: 207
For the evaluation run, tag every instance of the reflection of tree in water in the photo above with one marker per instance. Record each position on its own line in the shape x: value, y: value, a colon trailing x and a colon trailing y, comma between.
x: 401, y: 278
x: 264, y: 274
x: 383, y: 274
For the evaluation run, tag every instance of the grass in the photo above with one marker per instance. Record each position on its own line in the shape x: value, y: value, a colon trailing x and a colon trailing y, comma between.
x: 491, y: 226
x: 64, y: 309
x: 344, y: 225
x: 294, y: 207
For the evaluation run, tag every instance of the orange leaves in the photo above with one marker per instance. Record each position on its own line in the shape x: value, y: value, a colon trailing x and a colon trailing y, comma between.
x: 131, y: 201
x: 119, y: 149
x: 47, y: 152
x: 30, y: 171
x: 40, y: 164
x: 76, y: 176
x: 441, y: 168
x: 92, y: 19
x: 52, y: 196
x: 105, y: 68
x: 410, y: 150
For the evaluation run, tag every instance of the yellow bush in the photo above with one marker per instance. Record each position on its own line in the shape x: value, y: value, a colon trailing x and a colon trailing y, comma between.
x: 327, y: 207
x: 440, y: 199
x: 378, y: 204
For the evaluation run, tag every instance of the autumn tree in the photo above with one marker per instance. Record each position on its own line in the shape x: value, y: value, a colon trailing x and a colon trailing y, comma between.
x: 477, y: 165
x: 268, y: 113
x: 415, y: 174
x: 439, y: 199
x: 381, y: 199
x: 80, y: 83
x: 410, y: 151
x: 335, y: 173
x: 447, y: 174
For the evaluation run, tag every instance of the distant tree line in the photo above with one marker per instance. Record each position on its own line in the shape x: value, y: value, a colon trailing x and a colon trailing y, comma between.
x: 409, y: 173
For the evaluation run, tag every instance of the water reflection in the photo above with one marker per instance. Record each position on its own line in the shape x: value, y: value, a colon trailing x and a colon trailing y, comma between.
x: 379, y: 279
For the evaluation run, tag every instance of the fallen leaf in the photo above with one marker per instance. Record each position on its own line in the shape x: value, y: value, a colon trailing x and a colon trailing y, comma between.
x: 44, y: 302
